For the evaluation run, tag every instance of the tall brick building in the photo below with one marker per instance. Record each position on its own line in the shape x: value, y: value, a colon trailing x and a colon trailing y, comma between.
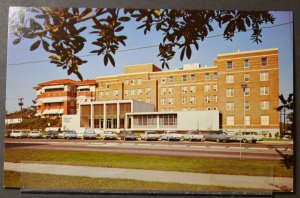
x: 191, y: 88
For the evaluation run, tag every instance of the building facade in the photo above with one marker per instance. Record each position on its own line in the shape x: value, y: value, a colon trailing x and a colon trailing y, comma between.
x: 192, y: 88
x: 61, y: 97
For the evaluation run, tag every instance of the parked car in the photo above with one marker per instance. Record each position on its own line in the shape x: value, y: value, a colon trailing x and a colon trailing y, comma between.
x: 170, y: 135
x: 193, y: 135
x: 245, y: 137
x: 51, y: 135
x: 70, y: 134
x: 219, y: 136
x: 108, y: 135
x: 35, y: 134
x: 128, y: 135
x: 89, y: 134
x: 17, y: 134
x: 150, y: 135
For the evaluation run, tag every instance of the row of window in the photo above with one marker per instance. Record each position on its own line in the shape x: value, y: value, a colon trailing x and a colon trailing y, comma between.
x: 263, y: 91
x: 264, y: 62
x: 264, y: 76
x: 264, y: 105
x: 264, y: 120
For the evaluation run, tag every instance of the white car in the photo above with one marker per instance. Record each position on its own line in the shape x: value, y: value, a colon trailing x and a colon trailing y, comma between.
x: 108, y: 135
x: 35, y: 134
x: 17, y: 134
x: 193, y: 135
x: 170, y: 135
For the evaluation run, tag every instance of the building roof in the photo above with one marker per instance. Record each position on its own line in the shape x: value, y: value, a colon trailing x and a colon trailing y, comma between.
x: 86, y: 82
x: 55, y: 82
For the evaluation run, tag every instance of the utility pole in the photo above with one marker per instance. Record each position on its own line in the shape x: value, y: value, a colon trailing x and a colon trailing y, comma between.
x: 21, y: 105
x: 244, y: 86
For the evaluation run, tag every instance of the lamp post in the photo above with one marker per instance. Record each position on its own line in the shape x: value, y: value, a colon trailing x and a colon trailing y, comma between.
x: 244, y: 87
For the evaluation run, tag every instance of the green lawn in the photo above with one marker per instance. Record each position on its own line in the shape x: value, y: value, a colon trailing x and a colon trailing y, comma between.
x: 149, y: 162
x: 41, y: 181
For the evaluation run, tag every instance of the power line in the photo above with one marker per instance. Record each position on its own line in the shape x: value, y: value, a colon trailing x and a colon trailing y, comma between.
x: 145, y: 47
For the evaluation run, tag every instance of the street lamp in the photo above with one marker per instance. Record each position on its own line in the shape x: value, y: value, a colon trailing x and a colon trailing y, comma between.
x: 244, y: 87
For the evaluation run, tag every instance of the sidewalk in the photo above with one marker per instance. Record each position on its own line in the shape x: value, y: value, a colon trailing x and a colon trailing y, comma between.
x: 239, y: 181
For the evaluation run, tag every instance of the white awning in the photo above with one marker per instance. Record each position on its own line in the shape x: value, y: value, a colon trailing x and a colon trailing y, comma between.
x: 83, y: 87
x: 54, y: 87
x: 54, y: 99
x: 53, y: 111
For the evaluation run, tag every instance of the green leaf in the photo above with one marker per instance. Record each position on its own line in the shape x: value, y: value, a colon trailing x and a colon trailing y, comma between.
x: 105, y: 59
x: 81, y: 29
x: 111, y: 59
x: 79, y: 76
x: 86, y: 11
x: 118, y: 29
x: 124, y: 19
x: 182, y: 54
x: 16, y: 41
x: 35, y: 45
x: 94, y: 51
x: 188, y: 51
x: 45, y: 45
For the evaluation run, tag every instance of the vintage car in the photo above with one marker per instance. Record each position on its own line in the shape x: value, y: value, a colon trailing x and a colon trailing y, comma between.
x: 51, y: 135
x: 128, y: 135
x: 170, y: 135
x: 18, y: 134
x: 70, y: 134
x: 108, y: 135
x: 193, y: 135
x: 219, y: 136
x: 89, y: 134
x: 35, y: 134
x: 150, y: 135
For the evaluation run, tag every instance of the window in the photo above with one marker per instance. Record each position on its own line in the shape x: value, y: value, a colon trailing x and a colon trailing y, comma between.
x: 264, y: 120
x: 264, y: 91
x: 247, y: 91
x: 163, y: 80
x: 206, y: 88
x: 132, y: 92
x: 162, y: 101
x: 163, y: 90
x: 229, y: 106
x: 133, y: 81
x: 148, y: 90
x: 229, y: 78
x: 215, y: 108
x: 229, y: 92
x: 171, y: 101
x: 193, y: 99
x: 171, y: 79
x: 107, y: 84
x: 264, y: 105
x: 126, y: 92
x: 171, y: 109
x: 139, y: 91
x: 247, y: 105
x: 101, y: 93
x: 193, y: 89
x: 264, y: 76
x: 148, y: 100
x: 247, y: 120
x: 207, y: 99
x: 171, y: 90
x: 184, y: 100
x: 207, y: 77
x: 126, y: 82
x: 215, y: 98
x: 163, y: 109
x: 139, y: 81
x: 246, y: 77
x: 193, y: 108
x: 230, y: 120
x: 184, y: 89
x: 193, y: 78
x: 107, y: 93
x: 215, y: 87
x: 208, y: 108
x: 229, y: 65
x: 116, y: 92
x: 246, y: 63
x: 184, y: 109
x: 215, y: 76
x: 184, y: 78
x: 264, y: 61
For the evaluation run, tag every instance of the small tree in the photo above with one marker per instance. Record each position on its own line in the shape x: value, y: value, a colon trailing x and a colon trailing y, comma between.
x: 288, y: 104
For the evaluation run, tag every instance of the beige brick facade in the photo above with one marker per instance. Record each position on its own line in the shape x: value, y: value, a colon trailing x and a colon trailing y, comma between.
x: 206, y: 88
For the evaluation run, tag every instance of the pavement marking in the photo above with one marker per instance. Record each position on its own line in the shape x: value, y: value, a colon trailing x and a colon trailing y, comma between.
x: 259, y: 148
x: 217, y: 146
x: 198, y: 146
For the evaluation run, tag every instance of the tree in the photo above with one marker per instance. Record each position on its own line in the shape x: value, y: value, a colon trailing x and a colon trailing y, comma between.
x: 59, y: 30
x: 288, y: 104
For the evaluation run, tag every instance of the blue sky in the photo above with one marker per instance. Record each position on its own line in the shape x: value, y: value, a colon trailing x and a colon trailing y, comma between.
x: 22, y: 78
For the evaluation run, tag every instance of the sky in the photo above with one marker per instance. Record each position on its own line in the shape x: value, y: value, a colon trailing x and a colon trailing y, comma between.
x: 21, y: 78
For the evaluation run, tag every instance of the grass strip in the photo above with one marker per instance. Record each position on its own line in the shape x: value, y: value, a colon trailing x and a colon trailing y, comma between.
x: 151, y: 162
x: 59, y: 182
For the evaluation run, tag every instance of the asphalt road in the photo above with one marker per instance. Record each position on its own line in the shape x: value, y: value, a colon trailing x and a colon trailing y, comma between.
x: 263, y: 151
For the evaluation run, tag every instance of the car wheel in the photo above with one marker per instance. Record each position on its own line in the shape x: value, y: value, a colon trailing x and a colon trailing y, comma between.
x: 244, y: 140
x: 218, y: 140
